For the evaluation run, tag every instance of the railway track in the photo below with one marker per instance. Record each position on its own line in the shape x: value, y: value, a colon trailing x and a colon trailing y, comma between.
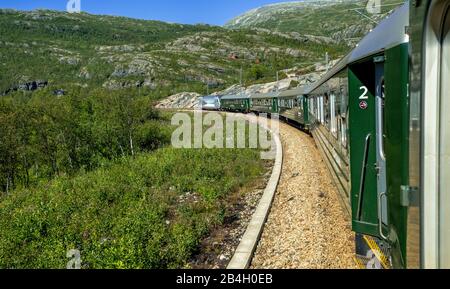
x: 303, y: 224
x: 306, y: 225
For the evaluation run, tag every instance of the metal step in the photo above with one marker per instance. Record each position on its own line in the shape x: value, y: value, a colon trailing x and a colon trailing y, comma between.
x: 377, y: 255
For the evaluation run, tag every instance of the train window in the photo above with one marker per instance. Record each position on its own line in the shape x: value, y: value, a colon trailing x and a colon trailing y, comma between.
x: 324, y: 116
x: 342, y: 118
x: 316, y: 108
x: 327, y: 108
x: 320, y: 109
x: 298, y: 101
x: 338, y: 112
x: 383, y: 116
x: 314, y: 105
x: 333, y: 116
x: 322, y: 113
x: 319, y: 119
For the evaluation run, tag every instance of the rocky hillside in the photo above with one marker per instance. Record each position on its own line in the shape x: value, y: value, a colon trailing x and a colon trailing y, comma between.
x: 62, y: 51
x: 333, y: 20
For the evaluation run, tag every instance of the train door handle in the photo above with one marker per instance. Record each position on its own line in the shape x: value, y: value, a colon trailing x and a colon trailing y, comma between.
x: 380, y: 216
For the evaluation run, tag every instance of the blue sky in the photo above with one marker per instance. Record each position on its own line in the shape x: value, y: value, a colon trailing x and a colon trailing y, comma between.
x: 216, y: 12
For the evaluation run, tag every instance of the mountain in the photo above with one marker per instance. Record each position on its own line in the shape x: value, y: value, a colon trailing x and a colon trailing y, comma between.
x: 60, y: 51
x: 338, y: 20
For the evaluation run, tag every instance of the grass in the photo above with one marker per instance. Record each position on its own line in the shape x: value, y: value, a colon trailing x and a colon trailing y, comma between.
x: 148, y: 211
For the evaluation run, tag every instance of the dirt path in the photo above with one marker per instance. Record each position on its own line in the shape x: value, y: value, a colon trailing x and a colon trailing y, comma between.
x: 306, y: 227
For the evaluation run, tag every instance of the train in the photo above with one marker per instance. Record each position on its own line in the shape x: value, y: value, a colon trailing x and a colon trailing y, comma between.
x: 209, y: 102
x: 379, y: 118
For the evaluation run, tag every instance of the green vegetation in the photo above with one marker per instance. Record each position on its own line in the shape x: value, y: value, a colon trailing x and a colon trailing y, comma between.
x: 150, y: 211
x: 42, y: 135
x: 93, y: 171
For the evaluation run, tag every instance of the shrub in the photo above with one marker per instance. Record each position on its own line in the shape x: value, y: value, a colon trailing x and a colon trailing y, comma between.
x: 150, y: 211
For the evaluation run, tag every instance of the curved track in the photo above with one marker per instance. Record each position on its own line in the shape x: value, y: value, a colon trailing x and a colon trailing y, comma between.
x: 307, y: 227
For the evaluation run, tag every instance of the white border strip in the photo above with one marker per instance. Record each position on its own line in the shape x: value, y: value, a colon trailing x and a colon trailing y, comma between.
x: 244, y: 253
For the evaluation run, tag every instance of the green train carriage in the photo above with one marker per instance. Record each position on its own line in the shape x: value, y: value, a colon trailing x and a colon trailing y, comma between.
x: 264, y: 103
x: 293, y: 107
x: 380, y: 118
x: 379, y: 128
x: 361, y: 124
x: 235, y: 103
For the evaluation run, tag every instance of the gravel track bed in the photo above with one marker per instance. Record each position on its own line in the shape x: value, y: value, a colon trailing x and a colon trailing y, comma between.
x: 307, y: 227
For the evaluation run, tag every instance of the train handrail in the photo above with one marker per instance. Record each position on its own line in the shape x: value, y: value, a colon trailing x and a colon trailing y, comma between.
x: 363, y: 176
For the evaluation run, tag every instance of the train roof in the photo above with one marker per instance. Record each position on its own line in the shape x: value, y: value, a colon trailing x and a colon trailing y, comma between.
x: 389, y: 33
x: 264, y: 95
x: 293, y: 92
x: 209, y: 96
x: 234, y: 96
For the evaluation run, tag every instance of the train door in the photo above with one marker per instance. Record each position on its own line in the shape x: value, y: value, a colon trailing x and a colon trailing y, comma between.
x: 275, y: 105
x: 367, y: 166
x: 303, y: 102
